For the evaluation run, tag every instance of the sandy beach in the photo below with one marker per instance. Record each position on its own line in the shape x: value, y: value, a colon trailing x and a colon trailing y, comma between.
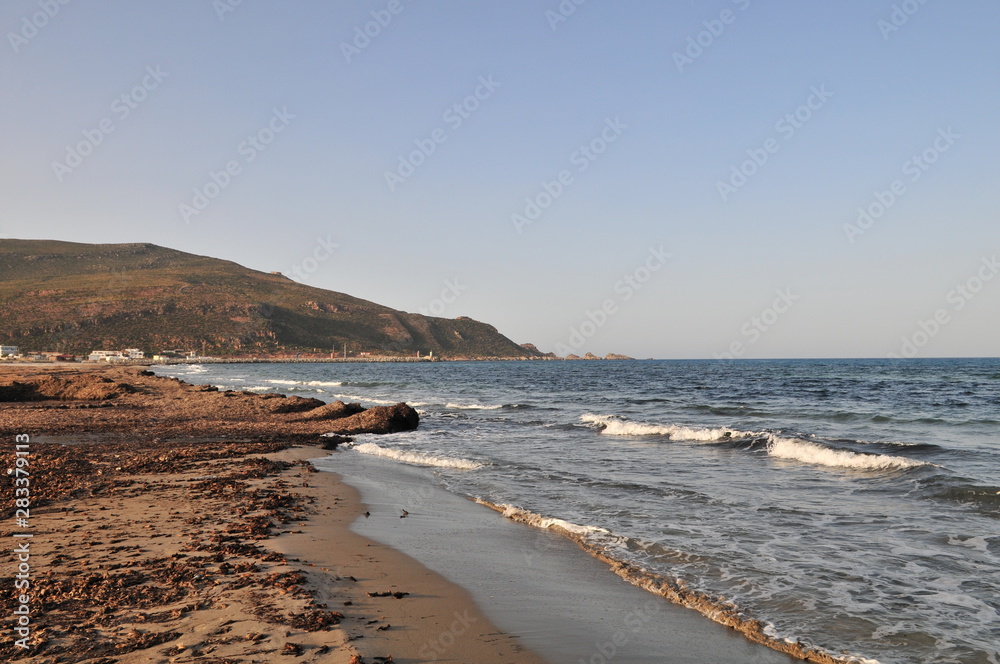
x: 167, y: 525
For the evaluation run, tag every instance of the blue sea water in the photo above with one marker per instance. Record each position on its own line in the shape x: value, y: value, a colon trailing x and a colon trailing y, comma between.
x: 853, y: 505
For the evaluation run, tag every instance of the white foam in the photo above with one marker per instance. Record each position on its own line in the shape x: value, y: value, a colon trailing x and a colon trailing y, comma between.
x: 543, y: 522
x: 471, y: 406
x: 978, y: 543
x: 355, y: 397
x: 612, y: 425
x: 806, y: 452
x: 417, y: 458
x: 325, y: 383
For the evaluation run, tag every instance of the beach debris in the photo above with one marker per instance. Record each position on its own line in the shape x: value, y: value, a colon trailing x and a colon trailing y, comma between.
x: 389, y: 593
x: 161, y: 448
x: 292, y: 649
x: 382, y: 628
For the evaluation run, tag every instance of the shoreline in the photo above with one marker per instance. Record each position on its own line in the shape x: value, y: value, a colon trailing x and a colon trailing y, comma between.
x: 438, y: 614
x: 375, y: 359
x: 564, y: 603
x: 438, y: 618
x: 186, y: 546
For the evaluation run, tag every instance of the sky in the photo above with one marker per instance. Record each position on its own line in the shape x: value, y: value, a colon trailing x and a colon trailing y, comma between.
x: 709, y: 179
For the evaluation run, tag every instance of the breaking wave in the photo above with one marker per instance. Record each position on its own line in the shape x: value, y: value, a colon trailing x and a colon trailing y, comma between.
x: 471, y: 406
x: 543, y: 522
x: 814, y: 453
x: 613, y: 425
x: 356, y: 397
x: 416, y: 458
x: 777, y: 447
x: 596, y: 541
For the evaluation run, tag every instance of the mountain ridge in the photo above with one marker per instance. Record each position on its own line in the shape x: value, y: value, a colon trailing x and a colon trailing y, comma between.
x: 77, y: 297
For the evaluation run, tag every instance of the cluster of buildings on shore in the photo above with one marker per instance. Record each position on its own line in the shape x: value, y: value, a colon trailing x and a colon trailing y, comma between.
x: 109, y: 356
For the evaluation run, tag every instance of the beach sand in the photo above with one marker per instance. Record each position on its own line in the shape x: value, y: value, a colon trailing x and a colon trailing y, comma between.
x: 154, y: 541
x: 179, y: 523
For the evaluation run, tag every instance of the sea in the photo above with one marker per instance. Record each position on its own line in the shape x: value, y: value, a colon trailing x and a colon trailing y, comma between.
x: 852, y: 506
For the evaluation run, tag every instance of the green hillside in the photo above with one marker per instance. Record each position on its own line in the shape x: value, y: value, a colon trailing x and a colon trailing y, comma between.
x: 78, y: 297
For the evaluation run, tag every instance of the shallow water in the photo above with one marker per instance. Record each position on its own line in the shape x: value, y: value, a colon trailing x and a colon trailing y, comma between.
x: 849, y: 504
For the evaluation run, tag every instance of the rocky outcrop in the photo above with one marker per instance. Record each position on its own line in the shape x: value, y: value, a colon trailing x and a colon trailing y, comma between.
x: 333, y: 411
x: 616, y: 356
x: 123, y: 403
x: 381, y: 419
x: 279, y: 403
x: 85, y: 387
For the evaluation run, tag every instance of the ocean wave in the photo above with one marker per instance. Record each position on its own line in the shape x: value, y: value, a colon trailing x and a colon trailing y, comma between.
x: 355, y: 397
x: 538, y: 521
x: 813, y: 453
x: 600, y: 543
x: 311, y: 383
x: 416, y: 458
x: 472, y: 406
x: 613, y: 425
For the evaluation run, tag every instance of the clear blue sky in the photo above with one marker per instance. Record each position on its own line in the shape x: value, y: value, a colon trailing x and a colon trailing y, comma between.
x: 674, y: 127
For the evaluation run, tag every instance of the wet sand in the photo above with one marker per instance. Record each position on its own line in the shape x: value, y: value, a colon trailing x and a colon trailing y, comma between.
x: 204, y: 536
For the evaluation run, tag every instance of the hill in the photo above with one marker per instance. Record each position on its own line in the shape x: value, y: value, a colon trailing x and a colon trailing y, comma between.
x: 75, y: 298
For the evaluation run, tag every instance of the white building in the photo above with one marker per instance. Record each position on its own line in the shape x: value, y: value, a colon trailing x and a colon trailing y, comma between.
x: 116, y: 355
x: 105, y: 356
x: 8, y: 350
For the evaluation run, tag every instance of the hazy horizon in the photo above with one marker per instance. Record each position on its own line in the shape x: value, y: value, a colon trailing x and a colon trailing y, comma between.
x: 696, y: 181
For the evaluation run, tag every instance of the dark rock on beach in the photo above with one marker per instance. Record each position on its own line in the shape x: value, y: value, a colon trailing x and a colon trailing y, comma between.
x: 381, y: 419
x: 133, y: 400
